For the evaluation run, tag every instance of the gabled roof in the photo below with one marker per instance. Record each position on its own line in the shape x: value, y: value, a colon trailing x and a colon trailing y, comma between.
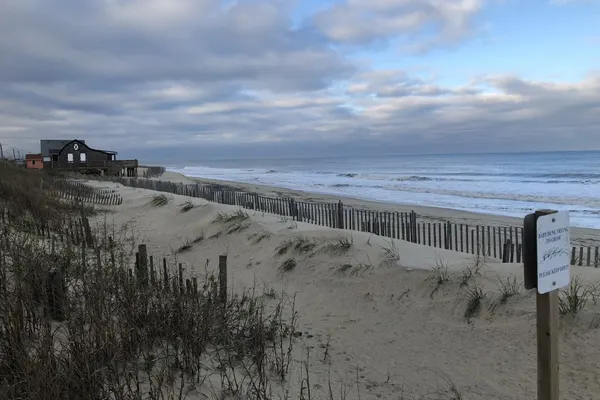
x: 82, y: 143
x: 33, y: 156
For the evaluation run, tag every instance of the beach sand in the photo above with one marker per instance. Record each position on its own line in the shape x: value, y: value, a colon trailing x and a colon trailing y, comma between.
x: 387, y: 333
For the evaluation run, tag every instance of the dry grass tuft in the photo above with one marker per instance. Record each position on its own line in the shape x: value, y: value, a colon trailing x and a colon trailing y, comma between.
x: 574, y: 297
x: 340, y: 246
x: 439, y: 275
x: 258, y: 237
x: 474, y: 297
x: 298, y: 244
x: 160, y: 200
x: 509, y: 287
x: 238, y: 227
x: 226, y: 218
x: 187, y: 206
x: 216, y: 235
x: 186, y: 246
x: 391, y: 253
x: 288, y: 265
x: 358, y: 269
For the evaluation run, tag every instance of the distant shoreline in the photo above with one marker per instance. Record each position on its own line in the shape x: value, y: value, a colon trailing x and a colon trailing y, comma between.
x: 581, y: 236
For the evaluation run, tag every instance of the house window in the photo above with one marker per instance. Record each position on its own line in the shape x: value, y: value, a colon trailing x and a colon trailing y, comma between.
x: 70, y: 157
x: 82, y: 157
x: 32, y: 162
x: 55, y: 157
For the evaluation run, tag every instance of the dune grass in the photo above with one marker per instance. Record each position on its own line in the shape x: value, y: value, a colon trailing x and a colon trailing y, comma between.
x: 391, y: 253
x: 439, y: 275
x: 160, y: 200
x: 573, y: 298
x: 299, y: 244
x: 474, y: 297
x: 340, y: 245
x: 226, y: 218
x: 288, y: 265
x: 187, y: 206
x: 258, y: 237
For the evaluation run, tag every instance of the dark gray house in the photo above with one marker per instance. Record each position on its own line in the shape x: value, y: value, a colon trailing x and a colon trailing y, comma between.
x: 76, y: 155
x: 50, y: 148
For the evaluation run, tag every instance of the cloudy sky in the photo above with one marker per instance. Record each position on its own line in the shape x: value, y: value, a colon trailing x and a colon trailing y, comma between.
x: 253, y: 78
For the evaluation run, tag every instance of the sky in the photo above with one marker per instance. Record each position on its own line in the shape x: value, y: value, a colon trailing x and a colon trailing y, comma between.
x: 171, y: 79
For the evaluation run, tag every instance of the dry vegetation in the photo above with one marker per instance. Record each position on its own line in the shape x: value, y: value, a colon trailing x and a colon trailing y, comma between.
x: 75, y: 323
x: 160, y: 200
x: 298, y: 244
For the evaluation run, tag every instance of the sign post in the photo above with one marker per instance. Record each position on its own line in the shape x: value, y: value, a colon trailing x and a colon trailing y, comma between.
x: 546, y: 243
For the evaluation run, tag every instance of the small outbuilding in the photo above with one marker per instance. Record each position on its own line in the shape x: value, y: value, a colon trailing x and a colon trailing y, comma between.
x: 34, y: 161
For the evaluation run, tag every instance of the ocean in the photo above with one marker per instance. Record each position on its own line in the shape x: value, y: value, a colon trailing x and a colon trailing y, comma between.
x: 499, y: 184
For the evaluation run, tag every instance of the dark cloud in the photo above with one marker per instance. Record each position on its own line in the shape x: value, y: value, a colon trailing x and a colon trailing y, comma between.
x: 185, y: 79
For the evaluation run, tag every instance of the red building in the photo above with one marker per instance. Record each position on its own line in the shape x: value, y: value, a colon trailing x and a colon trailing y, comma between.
x: 34, y: 161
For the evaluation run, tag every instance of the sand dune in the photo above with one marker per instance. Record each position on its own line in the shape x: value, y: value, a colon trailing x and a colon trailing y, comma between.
x: 391, y: 335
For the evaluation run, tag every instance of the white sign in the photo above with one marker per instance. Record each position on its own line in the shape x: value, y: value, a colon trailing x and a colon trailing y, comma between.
x: 553, y: 245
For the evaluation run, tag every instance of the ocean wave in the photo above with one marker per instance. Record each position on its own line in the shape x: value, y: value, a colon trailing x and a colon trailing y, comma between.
x: 530, y: 198
x: 414, y: 178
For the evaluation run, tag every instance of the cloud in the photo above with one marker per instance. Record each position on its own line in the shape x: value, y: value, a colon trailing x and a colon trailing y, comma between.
x: 185, y: 79
x: 128, y: 41
x: 365, y: 21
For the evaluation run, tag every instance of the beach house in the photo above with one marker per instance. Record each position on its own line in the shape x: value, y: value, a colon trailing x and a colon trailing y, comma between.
x: 76, y: 155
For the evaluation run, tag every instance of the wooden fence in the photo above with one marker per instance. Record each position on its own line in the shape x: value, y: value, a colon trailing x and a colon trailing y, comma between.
x: 500, y: 242
x: 79, y: 191
x: 76, y: 233
x: 148, y: 273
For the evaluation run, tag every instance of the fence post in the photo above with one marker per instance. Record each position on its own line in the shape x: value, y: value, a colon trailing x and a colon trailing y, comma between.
x: 340, y: 216
x: 181, y: 289
x: 223, y: 280
x: 506, y: 252
x: 414, y: 226
x: 142, y: 265
x: 299, y: 210
x: 89, y: 239
x: 293, y: 209
x: 56, y: 295
x: 165, y: 274
x: 152, y: 273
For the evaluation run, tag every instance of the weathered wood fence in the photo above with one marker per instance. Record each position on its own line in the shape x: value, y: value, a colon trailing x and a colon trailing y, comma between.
x: 73, y: 190
x: 500, y: 242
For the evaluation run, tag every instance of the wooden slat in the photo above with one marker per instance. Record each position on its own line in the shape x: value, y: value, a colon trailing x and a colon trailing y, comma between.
x: 489, y: 242
x: 429, y: 232
x: 589, y: 256
x: 455, y: 237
